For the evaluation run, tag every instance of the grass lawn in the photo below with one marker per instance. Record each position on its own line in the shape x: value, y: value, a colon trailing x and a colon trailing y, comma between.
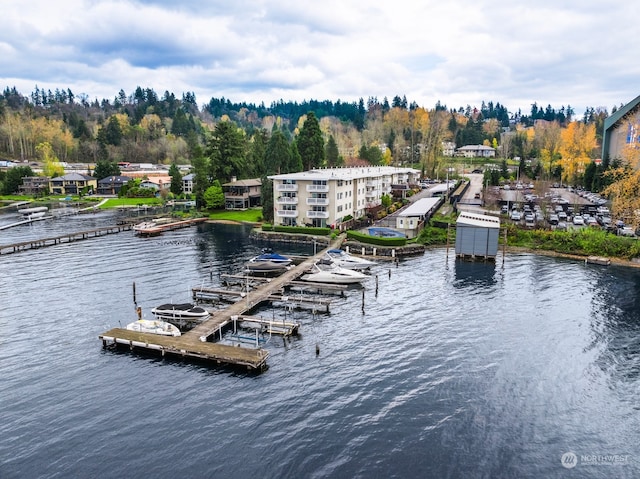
x: 120, y: 202
x: 250, y: 216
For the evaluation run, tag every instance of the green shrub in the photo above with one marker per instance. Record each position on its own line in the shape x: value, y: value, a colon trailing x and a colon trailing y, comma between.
x: 377, y: 240
x: 305, y: 230
x: 267, y: 227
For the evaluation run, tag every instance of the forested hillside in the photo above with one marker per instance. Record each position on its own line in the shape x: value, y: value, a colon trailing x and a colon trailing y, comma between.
x: 246, y: 140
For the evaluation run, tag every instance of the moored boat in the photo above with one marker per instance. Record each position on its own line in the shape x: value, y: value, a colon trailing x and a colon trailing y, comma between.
x: 268, y: 262
x: 32, y: 210
x: 180, y: 311
x: 325, y: 271
x: 348, y: 261
x: 33, y: 216
x: 154, y: 326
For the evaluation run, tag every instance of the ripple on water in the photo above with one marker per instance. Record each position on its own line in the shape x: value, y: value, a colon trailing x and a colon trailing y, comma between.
x: 453, y: 370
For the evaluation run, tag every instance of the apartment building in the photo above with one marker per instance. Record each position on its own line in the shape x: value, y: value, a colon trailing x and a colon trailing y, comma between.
x: 323, y: 197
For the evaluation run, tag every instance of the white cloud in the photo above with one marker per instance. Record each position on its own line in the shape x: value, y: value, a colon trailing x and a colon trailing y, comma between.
x: 578, y: 53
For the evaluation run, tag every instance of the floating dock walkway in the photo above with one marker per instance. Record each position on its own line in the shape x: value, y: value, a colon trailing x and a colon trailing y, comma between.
x: 67, y: 238
x: 196, y: 343
x: 176, y: 225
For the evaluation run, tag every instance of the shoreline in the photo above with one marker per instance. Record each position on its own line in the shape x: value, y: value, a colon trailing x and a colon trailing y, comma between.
x: 577, y: 257
x: 512, y: 249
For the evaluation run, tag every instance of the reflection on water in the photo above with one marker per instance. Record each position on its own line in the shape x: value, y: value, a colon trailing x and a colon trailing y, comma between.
x: 450, y: 370
x: 474, y: 273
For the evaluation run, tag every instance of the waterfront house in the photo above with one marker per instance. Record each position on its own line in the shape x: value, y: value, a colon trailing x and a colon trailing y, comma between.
x: 187, y: 183
x: 72, y: 184
x: 111, y: 185
x: 242, y: 194
x: 329, y: 196
x: 34, y: 185
x: 477, y: 235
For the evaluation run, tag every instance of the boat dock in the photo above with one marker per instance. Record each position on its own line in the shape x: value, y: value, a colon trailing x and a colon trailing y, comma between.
x: 26, y: 221
x: 67, y: 238
x: 198, y: 342
x: 161, y: 228
x: 206, y: 294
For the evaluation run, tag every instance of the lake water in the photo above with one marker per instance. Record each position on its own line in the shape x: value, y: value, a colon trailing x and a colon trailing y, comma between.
x: 455, y: 370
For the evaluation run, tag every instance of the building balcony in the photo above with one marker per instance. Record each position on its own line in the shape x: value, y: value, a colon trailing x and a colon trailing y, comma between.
x: 287, y: 187
x: 372, y: 184
x: 318, y: 201
x: 317, y: 214
x: 287, y: 213
x: 370, y: 194
x: 318, y: 188
x: 289, y: 200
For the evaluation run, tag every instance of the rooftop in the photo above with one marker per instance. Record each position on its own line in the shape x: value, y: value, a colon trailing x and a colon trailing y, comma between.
x: 475, y: 219
x: 420, y: 207
x: 344, y: 173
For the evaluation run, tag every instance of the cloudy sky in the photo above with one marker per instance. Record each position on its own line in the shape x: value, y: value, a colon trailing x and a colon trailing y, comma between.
x: 581, y: 53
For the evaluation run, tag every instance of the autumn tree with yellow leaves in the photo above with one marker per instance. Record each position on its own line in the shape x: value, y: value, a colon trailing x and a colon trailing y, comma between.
x: 624, y: 191
x: 577, y: 148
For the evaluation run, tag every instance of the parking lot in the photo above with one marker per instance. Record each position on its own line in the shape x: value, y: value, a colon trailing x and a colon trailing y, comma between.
x: 561, y: 208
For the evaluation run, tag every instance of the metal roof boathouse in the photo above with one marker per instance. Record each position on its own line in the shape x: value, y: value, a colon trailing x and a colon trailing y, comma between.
x: 477, y: 236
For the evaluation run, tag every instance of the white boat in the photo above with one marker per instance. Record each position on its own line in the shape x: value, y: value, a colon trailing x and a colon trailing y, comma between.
x: 33, y: 216
x: 180, y: 311
x: 268, y: 262
x: 345, y: 260
x: 33, y: 210
x: 154, y: 326
x: 325, y: 271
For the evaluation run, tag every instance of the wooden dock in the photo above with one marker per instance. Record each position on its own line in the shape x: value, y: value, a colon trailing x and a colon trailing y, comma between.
x: 197, y: 343
x: 66, y: 238
x: 203, y: 293
x: 187, y: 347
x: 176, y: 225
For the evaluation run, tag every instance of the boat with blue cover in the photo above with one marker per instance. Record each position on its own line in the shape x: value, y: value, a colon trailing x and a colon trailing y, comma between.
x: 268, y: 261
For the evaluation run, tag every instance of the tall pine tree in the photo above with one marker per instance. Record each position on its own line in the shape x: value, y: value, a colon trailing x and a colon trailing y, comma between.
x: 310, y: 143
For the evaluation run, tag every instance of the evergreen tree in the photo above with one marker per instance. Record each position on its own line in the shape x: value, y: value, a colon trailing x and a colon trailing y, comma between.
x: 310, y: 143
x: 331, y: 153
x: 201, y: 178
x: 226, y: 152
x: 104, y: 169
x: 176, y: 179
x: 266, y: 199
x: 278, y: 154
x: 113, y: 133
x: 13, y: 179
x: 296, y: 159
x: 257, y: 153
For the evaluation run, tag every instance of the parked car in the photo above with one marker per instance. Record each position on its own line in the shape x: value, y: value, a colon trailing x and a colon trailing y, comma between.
x: 578, y: 220
x: 553, y: 219
x: 516, y: 215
